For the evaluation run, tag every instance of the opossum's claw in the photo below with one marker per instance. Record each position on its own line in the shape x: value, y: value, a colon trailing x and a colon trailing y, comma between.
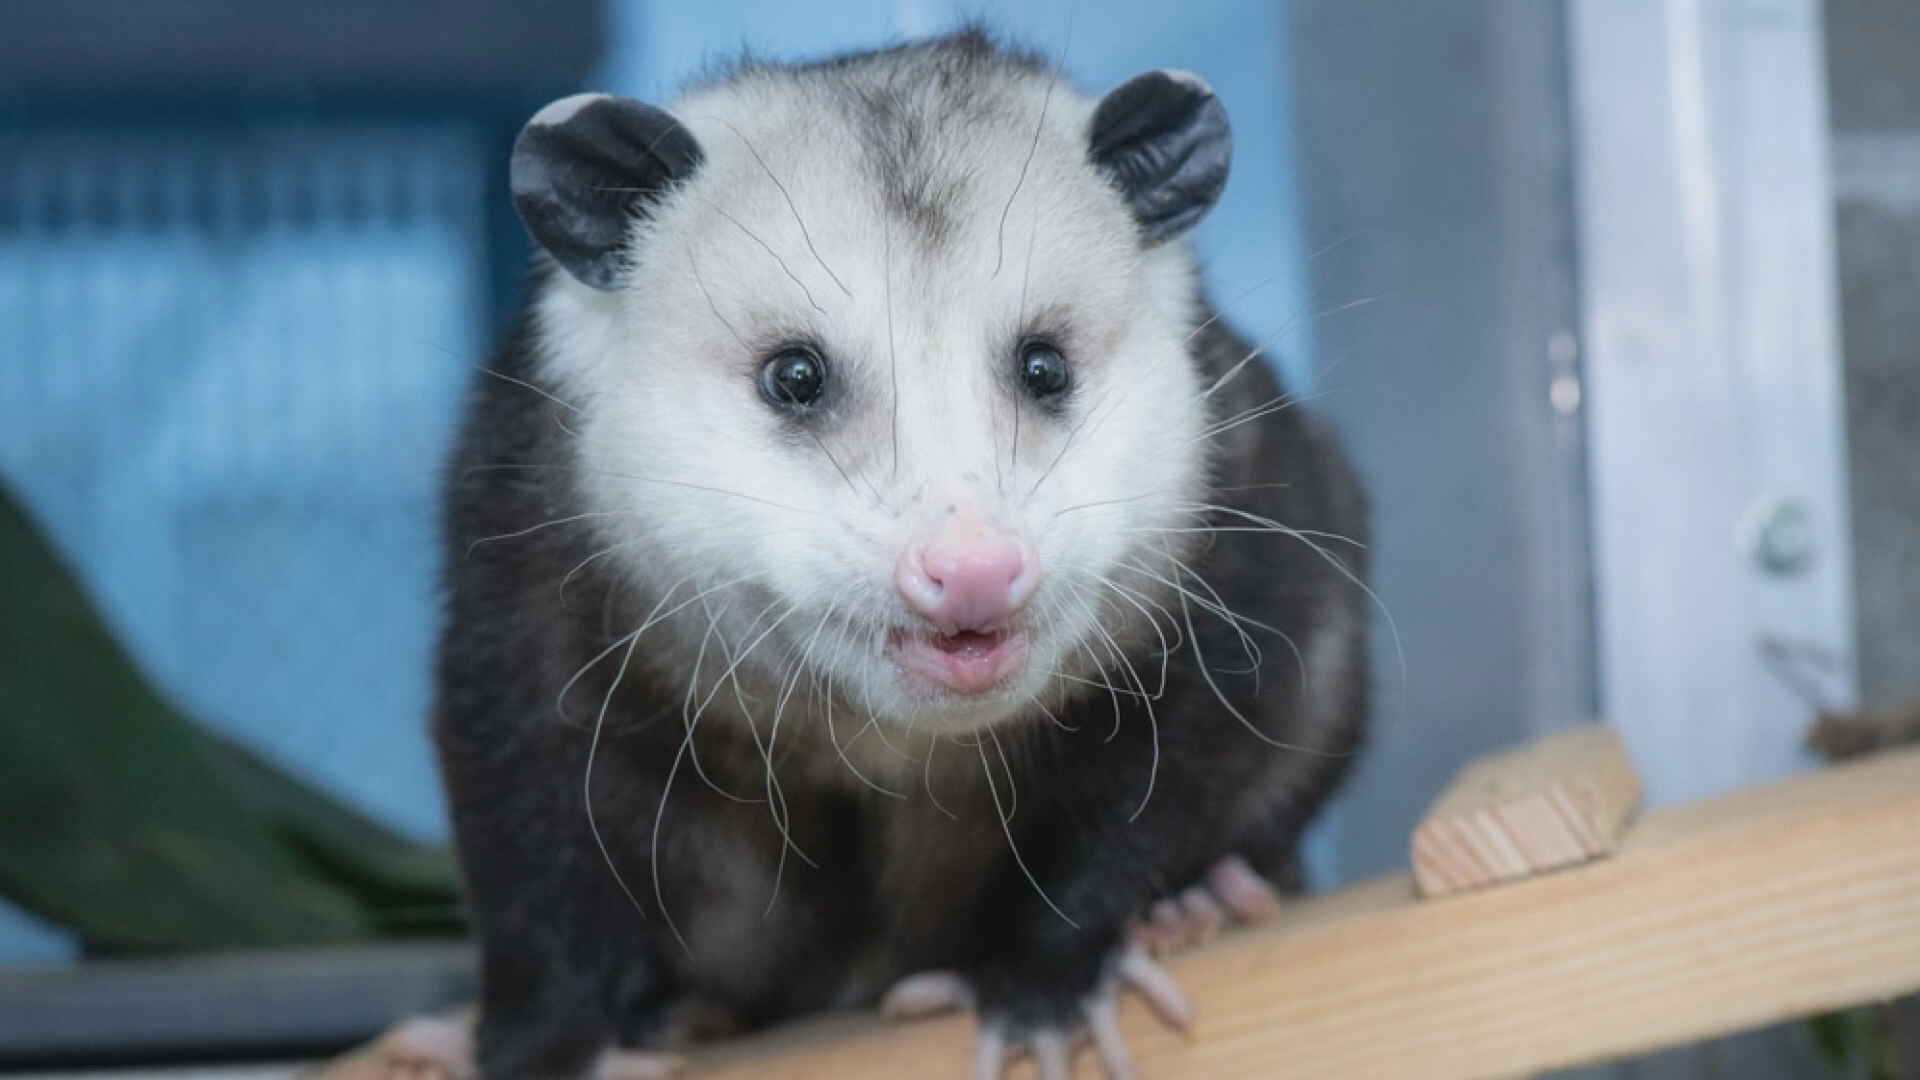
x: 1052, y: 1045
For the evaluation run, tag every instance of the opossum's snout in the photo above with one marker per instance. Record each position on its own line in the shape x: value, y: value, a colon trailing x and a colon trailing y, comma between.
x: 968, y: 580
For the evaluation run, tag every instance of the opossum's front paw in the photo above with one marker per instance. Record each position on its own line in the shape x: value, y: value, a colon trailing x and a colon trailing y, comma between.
x: 1230, y: 893
x: 1051, y: 1036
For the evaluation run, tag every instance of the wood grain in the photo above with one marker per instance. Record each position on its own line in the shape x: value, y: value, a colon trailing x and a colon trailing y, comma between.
x: 1776, y: 902
x: 1551, y: 804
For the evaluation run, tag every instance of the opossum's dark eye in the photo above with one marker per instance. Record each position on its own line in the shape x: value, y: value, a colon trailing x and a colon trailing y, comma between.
x: 794, y: 378
x: 1043, y: 371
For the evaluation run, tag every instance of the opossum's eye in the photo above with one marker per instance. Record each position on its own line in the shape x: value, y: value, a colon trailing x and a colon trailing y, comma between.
x: 794, y: 378
x: 1043, y: 372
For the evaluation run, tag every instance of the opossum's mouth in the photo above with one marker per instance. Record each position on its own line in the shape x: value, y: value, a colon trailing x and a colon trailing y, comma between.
x: 969, y: 662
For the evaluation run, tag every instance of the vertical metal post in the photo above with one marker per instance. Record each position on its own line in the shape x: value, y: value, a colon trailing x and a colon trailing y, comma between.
x: 1716, y: 438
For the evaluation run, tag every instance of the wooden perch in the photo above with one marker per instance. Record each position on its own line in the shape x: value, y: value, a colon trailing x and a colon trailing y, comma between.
x: 1551, y: 804
x: 1776, y: 902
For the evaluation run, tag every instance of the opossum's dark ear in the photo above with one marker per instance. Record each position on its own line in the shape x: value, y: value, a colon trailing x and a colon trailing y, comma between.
x: 1163, y: 138
x: 585, y: 166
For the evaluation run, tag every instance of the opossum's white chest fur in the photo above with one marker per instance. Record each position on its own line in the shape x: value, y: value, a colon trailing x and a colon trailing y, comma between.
x: 888, y: 409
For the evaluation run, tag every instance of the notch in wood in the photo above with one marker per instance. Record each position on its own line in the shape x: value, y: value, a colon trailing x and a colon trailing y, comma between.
x: 1557, y: 802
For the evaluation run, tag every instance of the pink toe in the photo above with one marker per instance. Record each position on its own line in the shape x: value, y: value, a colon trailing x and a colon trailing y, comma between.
x: 433, y: 1043
x: 1202, y: 911
x: 926, y: 993
x: 1250, y: 897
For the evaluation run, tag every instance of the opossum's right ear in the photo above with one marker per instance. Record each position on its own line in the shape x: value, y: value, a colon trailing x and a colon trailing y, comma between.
x: 585, y: 166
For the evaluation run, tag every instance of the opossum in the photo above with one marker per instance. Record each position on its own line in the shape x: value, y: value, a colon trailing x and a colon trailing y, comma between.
x: 874, y: 570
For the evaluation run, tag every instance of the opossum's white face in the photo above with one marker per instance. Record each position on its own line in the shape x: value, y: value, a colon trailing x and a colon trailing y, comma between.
x: 888, y: 388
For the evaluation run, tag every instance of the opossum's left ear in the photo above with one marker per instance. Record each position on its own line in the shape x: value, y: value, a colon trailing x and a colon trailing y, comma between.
x: 585, y: 167
x: 1164, y: 140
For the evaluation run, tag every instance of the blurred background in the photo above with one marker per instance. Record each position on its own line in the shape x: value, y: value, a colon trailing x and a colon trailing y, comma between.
x: 1613, y: 300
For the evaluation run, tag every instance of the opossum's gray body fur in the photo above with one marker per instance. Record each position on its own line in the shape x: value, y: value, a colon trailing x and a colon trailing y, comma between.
x: 780, y: 821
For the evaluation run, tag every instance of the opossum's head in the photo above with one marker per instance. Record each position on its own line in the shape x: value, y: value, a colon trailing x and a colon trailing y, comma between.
x: 885, y: 360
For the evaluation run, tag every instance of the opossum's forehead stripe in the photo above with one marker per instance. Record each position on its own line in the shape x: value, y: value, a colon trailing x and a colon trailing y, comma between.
x: 927, y: 121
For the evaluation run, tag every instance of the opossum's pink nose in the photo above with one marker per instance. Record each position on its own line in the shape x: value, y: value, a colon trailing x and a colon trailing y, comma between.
x: 968, y: 577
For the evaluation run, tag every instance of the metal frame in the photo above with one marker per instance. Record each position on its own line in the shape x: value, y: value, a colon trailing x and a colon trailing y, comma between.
x: 1716, y: 431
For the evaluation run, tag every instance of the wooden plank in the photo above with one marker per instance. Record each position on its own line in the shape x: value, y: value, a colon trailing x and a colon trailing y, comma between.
x: 1776, y: 902
x: 1551, y: 804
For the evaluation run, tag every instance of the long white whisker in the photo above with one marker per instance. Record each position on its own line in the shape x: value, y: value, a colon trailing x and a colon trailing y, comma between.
x: 926, y: 779
x: 987, y: 771
x: 586, y: 787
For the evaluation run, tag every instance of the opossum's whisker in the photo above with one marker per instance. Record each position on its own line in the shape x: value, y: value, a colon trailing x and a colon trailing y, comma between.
x: 531, y: 529
x: 764, y: 246
x: 1078, y: 507
x: 1284, y: 328
x: 601, y: 554
x: 994, y: 792
x: 694, y: 265
x: 1224, y: 308
x: 1122, y: 669
x: 1227, y: 615
x: 1013, y: 791
x: 880, y: 732
x: 484, y: 370
x: 1269, y: 524
x: 893, y: 348
x: 1206, y: 673
x: 1074, y: 433
x: 1057, y: 722
x: 777, y: 804
x: 789, y: 684
x: 1146, y: 702
x: 1126, y: 664
x: 1168, y: 649
x: 1026, y: 269
x: 1354, y: 579
x: 641, y: 479
x: 784, y: 194
x: 692, y: 716
x: 690, y: 719
x: 926, y: 778
x: 1093, y: 619
x: 1258, y: 412
x: 1165, y: 650
x: 1102, y: 684
x: 1306, y: 537
x: 822, y: 444
x: 773, y: 735
x: 1252, y: 354
x: 1255, y: 657
x: 1046, y: 99
x: 1153, y: 723
x: 833, y: 736
x: 653, y: 618
x: 593, y: 749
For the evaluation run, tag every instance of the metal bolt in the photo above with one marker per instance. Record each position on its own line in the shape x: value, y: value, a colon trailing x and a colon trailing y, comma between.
x: 1779, y: 534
